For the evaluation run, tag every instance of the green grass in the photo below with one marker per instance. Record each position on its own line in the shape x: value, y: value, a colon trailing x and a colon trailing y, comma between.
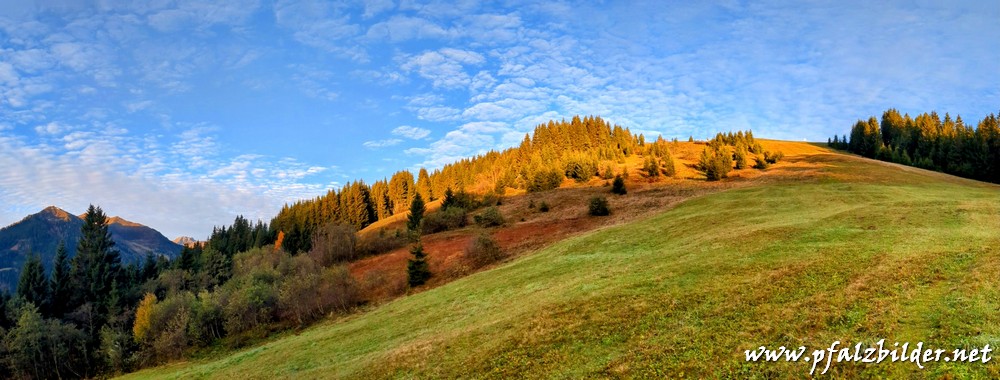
x: 900, y: 255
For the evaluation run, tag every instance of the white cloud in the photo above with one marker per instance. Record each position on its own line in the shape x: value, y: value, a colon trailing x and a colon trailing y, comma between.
x: 375, y: 144
x: 51, y: 128
x: 445, y: 67
x: 320, y: 24
x: 409, y: 132
x: 135, y: 178
x: 402, y: 28
x: 376, y: 7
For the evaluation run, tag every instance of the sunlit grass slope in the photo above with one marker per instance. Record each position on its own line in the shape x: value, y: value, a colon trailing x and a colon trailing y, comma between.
x: 860, y: 252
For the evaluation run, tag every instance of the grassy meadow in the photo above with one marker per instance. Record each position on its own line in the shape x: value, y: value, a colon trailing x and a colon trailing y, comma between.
x: 828, y: 247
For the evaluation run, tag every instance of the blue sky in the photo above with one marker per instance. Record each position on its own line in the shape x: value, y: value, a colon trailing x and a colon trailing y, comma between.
x: 183, y: 114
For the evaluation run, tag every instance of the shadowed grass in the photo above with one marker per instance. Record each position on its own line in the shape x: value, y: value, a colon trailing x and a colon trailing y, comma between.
x: 867, y: 251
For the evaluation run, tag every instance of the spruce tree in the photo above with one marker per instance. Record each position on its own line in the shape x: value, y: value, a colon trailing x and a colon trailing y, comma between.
x: 740, y: 157
x: 668, y: 168
x: 416, y: 214
x: 33, y: 286
x: 417, y: 269
x: 618, y: 186
x: 60, y: 284
x: 449, y: 199
x: 651, y: 166
x: 97, y: 264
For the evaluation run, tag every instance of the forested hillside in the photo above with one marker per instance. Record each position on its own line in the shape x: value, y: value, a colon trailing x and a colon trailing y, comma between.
x: 927, y: 141
x: 578, y: 149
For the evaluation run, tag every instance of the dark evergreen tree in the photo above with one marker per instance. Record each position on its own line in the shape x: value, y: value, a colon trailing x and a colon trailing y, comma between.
x: 97, y: 264
x: 60, y: 283
x: 598, y: 206
x: 33, y: 287
x: 417, y: 269
x: 416, y: 213
x: 449, y: 199
x: 618, y: 186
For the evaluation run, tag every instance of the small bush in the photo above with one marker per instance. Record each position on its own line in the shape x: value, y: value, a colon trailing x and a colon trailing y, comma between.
x: 531, y: 203
x: 460, y: 199
x: 760, y: 163
x: 773, y: 157
x: 378, y: 243
x: 618, y: 186
x: 608, y: 172
x: 491, y: 217
x: 599, y: 206
x: 445, y: 219
x: 544, y: 207
x: 483, y: 250
x: 334, y: 243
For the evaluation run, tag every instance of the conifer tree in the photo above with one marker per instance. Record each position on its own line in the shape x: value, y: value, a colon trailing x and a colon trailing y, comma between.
x: 417, y: 269
x: 33, y: 286
x: 97, y: 264
x: 715, y: 163
x: 401, y: 189
x: 618, y: 186
x: 424, y: 185
x: 668, y: 168
x: 416, y: 214
x: 740, y: 157
x: 449, y: 199
x: 60, y: 284
x: 651, y: 166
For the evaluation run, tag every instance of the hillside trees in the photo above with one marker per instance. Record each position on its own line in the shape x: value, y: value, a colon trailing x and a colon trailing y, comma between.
x: 928, y: 141
x: 715, y: 163
x: 556, y: 150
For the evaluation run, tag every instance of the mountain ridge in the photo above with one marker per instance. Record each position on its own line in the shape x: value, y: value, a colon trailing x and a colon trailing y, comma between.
x: 40, y: 233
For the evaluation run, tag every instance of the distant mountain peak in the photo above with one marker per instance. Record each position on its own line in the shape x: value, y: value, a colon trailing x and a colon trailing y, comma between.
x: 187, y: 241
x: 56, y: 212
x: 41, y: 233
x: 119, y: 220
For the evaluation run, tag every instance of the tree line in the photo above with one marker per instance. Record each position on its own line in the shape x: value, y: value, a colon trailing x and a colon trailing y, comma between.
x: 927, y: 141
x: 578, y: 149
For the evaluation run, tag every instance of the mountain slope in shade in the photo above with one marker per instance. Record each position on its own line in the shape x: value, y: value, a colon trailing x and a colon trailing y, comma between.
x: 41, y: 233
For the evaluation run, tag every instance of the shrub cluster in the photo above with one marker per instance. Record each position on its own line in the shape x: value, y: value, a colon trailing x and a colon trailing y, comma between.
x: 483, y: 250
x: 598, y: 206
x: 715, y: 163
x: 445, y: 219
x: 491, y: 217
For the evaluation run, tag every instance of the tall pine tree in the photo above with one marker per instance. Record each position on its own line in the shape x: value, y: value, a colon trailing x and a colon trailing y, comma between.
x: 60, y: 284
x: 32, y: 286
x: 417, y: 209
x: 97, y: 264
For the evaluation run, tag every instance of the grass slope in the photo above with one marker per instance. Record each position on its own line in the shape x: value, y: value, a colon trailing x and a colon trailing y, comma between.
x: 859, y: 252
